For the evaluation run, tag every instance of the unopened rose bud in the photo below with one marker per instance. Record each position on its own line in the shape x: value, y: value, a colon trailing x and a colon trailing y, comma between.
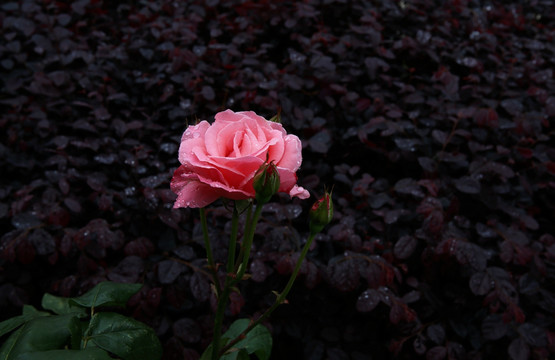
x: 321, y: 213
x: 266, y: 182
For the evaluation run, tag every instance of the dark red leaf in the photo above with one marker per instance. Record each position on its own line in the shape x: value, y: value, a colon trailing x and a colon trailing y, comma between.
x: 258, y: 270
x: 320, y: 142
x: 368, y: 300
x: 436, y: 353
x: 404, y: 247
x: 25, y: 221
x: 129, y: 270
x: 436, y: 333
x: 534, y: 335
x: 481, y: 283
x: 72, y: 205
x: 25, y: 252
x: 43, y: 242
x: 343, y: 274
x: 208, y: 93
x: 519, y: 350
x: 410, y: 187
x: 200, y: 287
x: 141, y: 247
x: 236, y: 302
x: 336, y: 354
x: 419, y: 345
x: 493, y: 327
x: 187, y: 330
x: 169, y: 270
x: 468, y: 185
x: 455, y: 351
x: 486, y: 117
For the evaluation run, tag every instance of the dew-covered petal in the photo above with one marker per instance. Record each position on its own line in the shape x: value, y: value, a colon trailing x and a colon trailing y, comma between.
x: 191, y: 138
x: 196, y: 195
x: 181, y: 176
x: 190, y: 191
x: 292, y: 153
x: 217, y: 137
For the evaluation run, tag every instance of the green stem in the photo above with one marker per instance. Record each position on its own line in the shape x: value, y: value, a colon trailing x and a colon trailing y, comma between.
x: 218, y: 321
x: 247, y: 242
x: 242, y: 250
x: 279, y: 300
x: 224, y: 294
x: 238, y: 270
x: 209, y: 254
x: 232, y: 241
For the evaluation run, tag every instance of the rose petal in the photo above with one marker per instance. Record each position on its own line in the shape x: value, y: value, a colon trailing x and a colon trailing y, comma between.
x: 192, y: 137
x: 245, y: 114
x: 196, y: 195
x: 229, y: 171
x: 216, y: 144
x: 226, y: 116
x: 181, y: 177
x: 299, y: 192
x: 272, y: 148
x: 292, y: 157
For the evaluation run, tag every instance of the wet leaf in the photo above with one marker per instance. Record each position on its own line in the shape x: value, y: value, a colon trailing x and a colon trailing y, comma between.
x: 123, y: 336
x: 368, y: 300
x: 404, y: 247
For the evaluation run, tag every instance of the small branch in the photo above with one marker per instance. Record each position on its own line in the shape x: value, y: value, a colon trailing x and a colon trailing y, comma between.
x: 279, y: 300
x: 209, y: 254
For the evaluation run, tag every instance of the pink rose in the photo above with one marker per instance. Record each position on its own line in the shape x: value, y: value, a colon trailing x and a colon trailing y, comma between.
x: 220, y: 160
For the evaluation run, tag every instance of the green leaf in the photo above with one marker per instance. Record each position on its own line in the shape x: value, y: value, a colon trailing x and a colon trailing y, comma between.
x: 107, y: 294
x: 207, y: 354
x: 236, y: 354
x: 29, y: 313
x: 40, y: 334
x: 127, y: 338
x: 8, y: 346
x: 88, y: 354
x: 11, y: 324
x: 258, y: 341
x: 77, y: 328
x: 61, y: 306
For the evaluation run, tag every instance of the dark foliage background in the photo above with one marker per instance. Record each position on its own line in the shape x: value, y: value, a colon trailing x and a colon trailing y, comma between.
x: 434, y: 120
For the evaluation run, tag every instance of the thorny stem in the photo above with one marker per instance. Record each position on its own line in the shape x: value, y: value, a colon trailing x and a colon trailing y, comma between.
x: 232, y: 241
x: 247, y: 242
x: 224, y: 294
x: 209, y: 254
x: 220, y: 310
x: 279, y: 300
x: 242, y: 250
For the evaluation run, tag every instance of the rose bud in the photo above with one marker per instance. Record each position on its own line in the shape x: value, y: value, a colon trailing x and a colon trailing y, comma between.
x: 321, y: 213
x: 266, y: 182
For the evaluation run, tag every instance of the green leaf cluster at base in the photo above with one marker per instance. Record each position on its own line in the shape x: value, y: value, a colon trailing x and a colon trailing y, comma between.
x: 258, y: 341
x: 77, y: 331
